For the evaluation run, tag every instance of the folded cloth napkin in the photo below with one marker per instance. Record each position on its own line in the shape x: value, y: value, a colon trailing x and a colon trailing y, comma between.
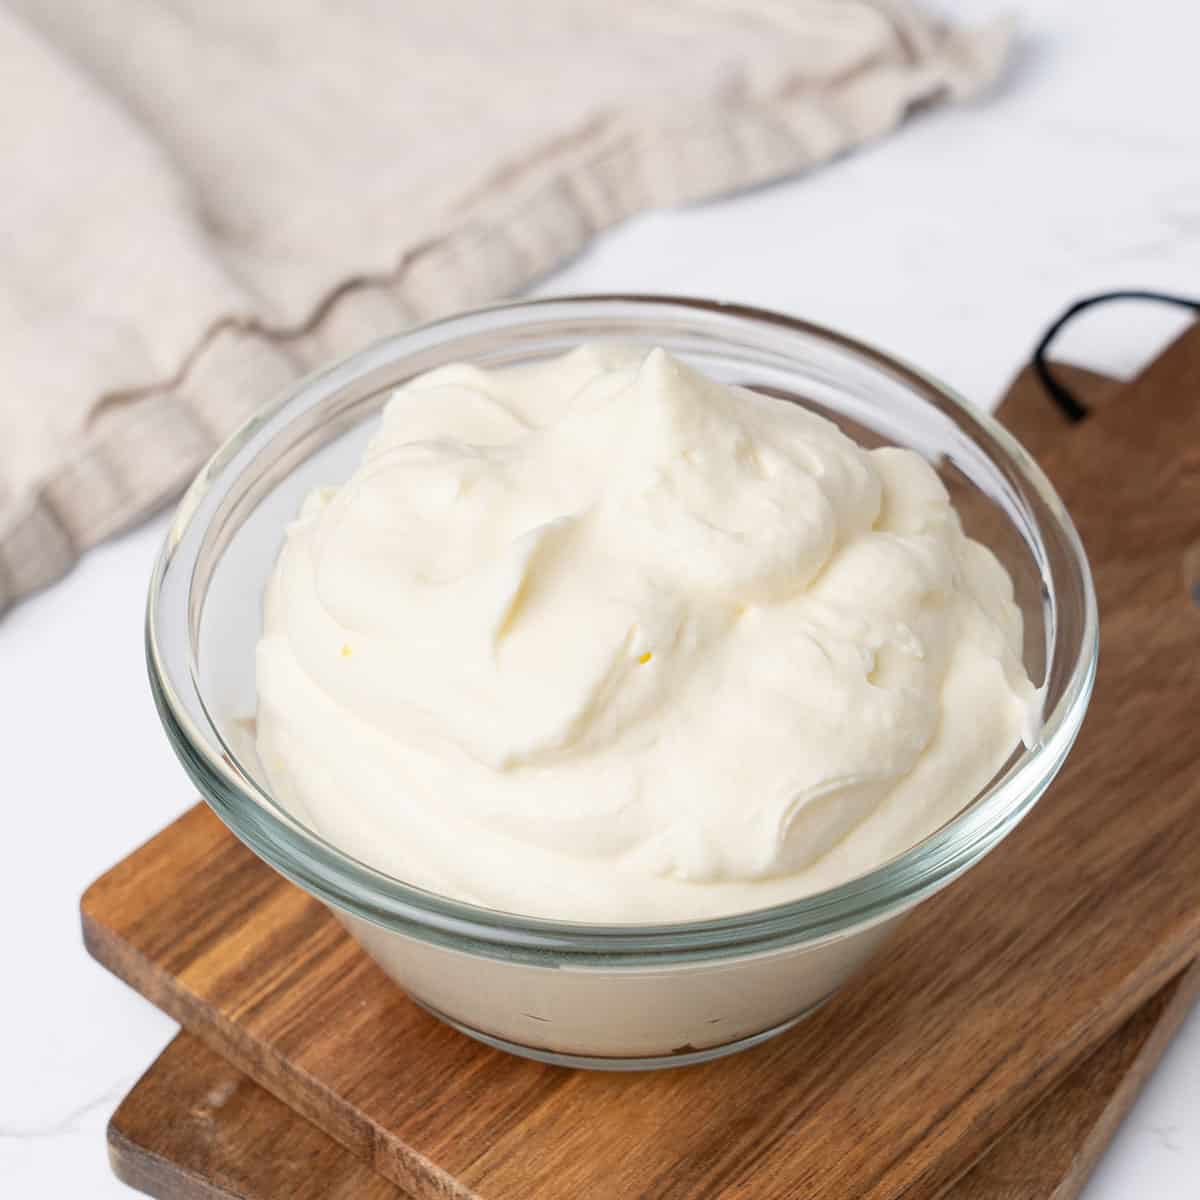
x: 203, y: 198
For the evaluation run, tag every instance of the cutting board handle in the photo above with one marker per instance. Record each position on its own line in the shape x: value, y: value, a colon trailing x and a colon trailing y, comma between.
x: 1073, y: 408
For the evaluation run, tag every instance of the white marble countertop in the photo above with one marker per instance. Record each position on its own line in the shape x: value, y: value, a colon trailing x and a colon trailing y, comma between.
x: 952, y: 243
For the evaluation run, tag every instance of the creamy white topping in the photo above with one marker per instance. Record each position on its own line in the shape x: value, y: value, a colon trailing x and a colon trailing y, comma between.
x: 602, y: 639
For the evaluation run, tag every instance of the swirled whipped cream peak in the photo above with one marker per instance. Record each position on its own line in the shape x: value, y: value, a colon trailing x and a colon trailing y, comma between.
x: 602, y: 639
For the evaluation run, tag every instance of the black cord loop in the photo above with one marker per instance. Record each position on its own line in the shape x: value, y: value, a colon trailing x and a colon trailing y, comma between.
x: 1075, y: 409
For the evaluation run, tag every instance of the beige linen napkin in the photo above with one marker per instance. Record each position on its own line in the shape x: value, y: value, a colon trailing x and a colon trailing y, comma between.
x: 203, y: 198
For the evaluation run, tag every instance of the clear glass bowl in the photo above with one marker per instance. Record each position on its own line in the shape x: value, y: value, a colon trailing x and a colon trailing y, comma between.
x: 626, y: 995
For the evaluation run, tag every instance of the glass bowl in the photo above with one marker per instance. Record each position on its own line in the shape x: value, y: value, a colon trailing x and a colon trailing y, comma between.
x: 620, y: 996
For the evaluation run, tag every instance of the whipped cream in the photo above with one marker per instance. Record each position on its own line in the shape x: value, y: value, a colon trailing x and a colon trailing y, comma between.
x: 602, y: 639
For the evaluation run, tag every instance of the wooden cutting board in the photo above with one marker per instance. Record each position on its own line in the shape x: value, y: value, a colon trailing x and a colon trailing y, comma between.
x: 196, y: 1128
x: 987, y: 996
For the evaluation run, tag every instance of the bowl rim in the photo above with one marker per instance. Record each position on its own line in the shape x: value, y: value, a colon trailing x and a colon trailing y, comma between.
x: 348, y: 884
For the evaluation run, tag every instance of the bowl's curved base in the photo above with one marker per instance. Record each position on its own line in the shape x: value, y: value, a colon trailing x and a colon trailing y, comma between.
x: 685, y: 1056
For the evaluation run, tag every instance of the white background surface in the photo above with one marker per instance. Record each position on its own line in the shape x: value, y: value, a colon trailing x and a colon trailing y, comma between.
x: 952, y: 244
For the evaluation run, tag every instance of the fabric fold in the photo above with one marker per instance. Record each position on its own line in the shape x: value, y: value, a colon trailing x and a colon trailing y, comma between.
x: 215, y: 197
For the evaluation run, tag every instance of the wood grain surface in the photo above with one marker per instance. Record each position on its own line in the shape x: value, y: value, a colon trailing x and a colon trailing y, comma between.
x: 1049, y: 1154
x: 196, y: 1128
x: 989, y: 994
